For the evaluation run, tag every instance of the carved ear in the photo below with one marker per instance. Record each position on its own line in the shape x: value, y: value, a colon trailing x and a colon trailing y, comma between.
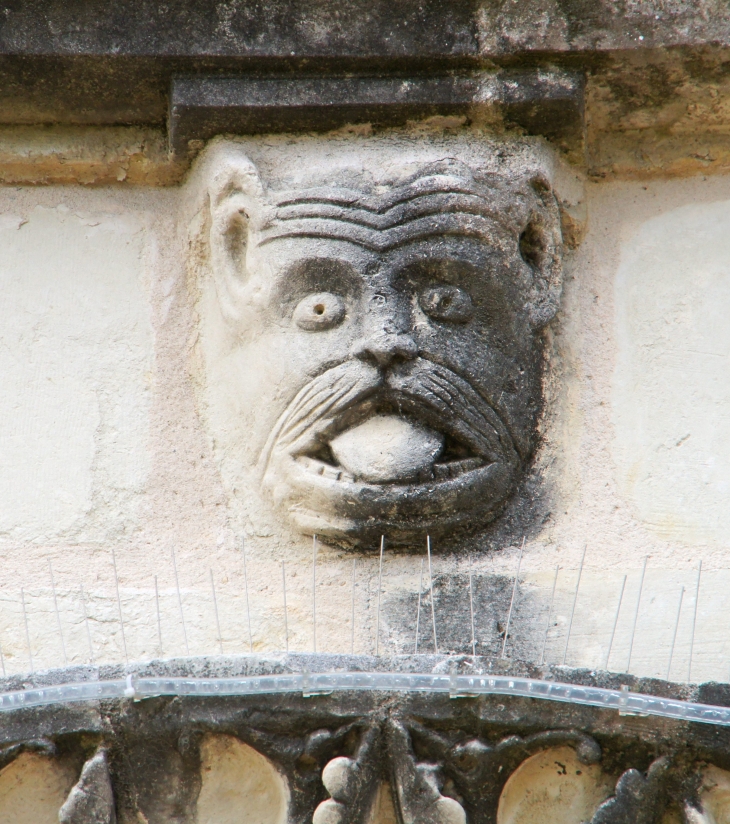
x: 236, y: 200
x: 541, y: 248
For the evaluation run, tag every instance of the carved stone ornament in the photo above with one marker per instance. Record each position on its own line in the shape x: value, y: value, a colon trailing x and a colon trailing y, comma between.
x: 330, y: 758
x: 372, y: 328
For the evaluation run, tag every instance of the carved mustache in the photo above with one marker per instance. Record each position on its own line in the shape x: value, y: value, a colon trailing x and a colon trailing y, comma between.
x: 428, y: 391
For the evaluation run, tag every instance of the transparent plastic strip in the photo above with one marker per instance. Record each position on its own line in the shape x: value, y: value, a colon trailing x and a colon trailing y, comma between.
x: 307, y: 684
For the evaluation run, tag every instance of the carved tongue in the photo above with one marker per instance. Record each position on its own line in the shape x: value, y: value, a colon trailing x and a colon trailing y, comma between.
x: 386, y: 448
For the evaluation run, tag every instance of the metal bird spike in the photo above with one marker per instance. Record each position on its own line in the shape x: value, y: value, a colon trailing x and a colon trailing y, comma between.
x: 119, y: 606
x: 418, y: 609
x: 245, y: 586
x: 159, y: 619
x: 215, y: 608
x: 286, y: 609
x: 179, y: 603
x: 694, y: 623
x: 58, y: 614
x: 86, y: 624
x: 314, y: 593
x: 575, y: 601
x: 433, y: 606
x: 615, y: 620
x: 674, y: 635
x: 636, y: 614
x: 27, y: 631
x: 512, y: 599
x: 471, y: 609
x: 352, y: 617
x: 550, y: 615
x: 380, y: 591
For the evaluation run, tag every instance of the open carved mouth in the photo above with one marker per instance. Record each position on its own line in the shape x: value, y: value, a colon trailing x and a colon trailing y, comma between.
x: 361, y: 452
x: 383, y: 447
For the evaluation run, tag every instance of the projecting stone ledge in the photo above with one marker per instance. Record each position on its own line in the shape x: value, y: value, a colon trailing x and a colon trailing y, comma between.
x: 548, y: 103
x: 342, y: 756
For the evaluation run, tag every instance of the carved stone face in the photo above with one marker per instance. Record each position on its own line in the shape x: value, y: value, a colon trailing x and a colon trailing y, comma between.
x: 382, y: 342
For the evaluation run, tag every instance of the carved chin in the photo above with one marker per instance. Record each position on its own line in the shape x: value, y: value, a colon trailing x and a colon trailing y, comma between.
x: 389, y: 475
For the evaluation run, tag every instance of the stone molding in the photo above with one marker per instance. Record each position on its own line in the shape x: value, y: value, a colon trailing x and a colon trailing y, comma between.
x: 547, y: 103
x: 97, y: 66
x: 447, y: 760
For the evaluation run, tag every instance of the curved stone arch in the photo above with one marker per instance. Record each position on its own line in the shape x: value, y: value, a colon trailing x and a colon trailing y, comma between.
x: 34, y: 787
x: 553, y: 787
x: 239, y: 785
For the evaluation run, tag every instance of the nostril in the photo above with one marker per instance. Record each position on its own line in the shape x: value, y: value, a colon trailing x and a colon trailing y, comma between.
x: 385, y: 351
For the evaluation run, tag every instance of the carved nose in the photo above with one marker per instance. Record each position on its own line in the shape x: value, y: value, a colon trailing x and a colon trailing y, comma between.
x: 385, y: 349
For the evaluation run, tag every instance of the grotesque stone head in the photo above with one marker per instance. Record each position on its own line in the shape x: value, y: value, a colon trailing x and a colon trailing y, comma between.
x: 371, y: 336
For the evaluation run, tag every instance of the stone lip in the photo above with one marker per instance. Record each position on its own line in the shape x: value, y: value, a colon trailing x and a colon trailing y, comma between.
x: 387, y: 448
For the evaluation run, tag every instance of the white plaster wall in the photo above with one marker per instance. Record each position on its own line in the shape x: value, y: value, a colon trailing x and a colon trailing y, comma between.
x: 637, y: 446
x: 75, y: 356
x: 102, y: 447
x: 671, y: 397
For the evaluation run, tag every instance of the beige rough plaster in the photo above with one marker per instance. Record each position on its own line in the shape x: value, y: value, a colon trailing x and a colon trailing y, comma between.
x: 553, y: 787
x: 87, y: 155
x: 33, y: 789
x: 239, y: 785
x: 672, y: 385
x: 638, y: 355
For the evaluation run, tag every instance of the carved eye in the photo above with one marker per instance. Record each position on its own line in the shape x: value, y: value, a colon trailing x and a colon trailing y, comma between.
x: 320, y: 311
x: 448, y: 303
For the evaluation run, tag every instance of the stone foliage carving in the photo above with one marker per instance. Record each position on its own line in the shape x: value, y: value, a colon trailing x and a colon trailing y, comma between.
x: 372, y: 333
x: 91, y: 801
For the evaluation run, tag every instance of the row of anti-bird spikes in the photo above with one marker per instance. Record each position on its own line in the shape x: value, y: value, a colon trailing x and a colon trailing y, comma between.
x: 248, y: 607
x: 513, y: 598
x: 430, y: 590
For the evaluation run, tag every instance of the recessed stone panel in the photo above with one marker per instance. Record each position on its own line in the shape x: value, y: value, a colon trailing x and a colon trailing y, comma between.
x: 672, y: 380
x: 75, y: 351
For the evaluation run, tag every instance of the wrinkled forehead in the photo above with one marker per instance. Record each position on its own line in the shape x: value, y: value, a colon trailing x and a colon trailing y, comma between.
x: 434, y: 216
x: 430, y: 206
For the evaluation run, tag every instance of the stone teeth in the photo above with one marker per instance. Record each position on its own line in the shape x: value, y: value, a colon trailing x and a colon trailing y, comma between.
x: 331, y: 472
x: 309, y: 463
x: 456, y: 468
x: 468, y: 464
